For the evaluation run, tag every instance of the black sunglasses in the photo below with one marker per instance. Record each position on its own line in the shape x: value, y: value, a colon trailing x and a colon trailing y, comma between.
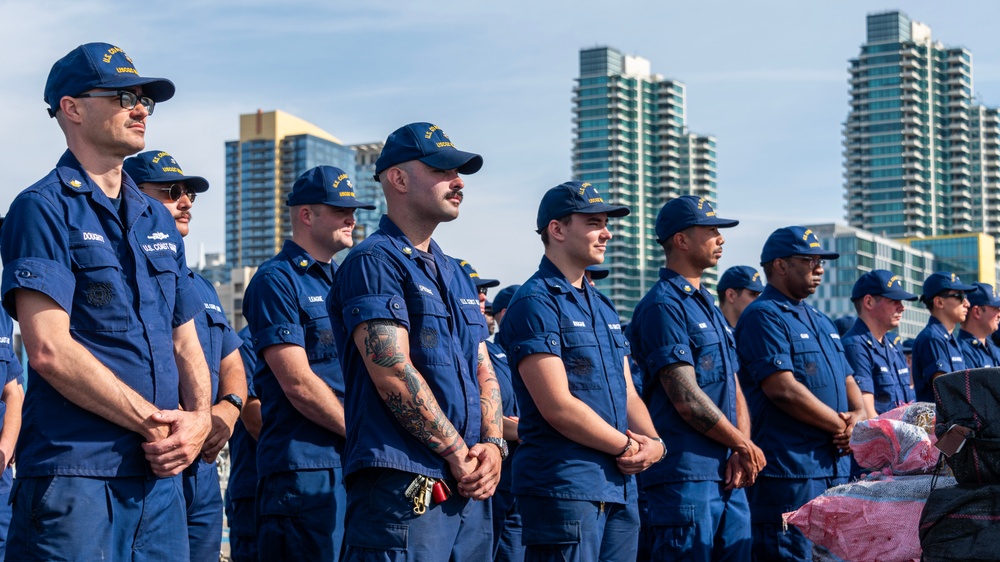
x: 482, y: 290
x: 127, y: 99
x: 175, y: 191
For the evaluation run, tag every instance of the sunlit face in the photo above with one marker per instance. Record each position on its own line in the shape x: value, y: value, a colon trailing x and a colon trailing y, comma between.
x: 706, y: 245
x: 112, y: 129
x: 805, y: 274
x: 587, y: 238
x: 332, y: 227
x: 953, y: 305
x: 179, y: 209
x: 886, y: 312
x: 436, y: 193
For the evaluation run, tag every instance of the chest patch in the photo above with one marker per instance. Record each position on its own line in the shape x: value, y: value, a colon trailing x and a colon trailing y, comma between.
x: 325, y: 337
x: 98, y: 294
x: 429, y: 338
x: 579, y: 365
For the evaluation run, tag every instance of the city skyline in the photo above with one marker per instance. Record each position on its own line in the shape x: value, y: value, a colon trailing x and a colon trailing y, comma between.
x: 770, y: 83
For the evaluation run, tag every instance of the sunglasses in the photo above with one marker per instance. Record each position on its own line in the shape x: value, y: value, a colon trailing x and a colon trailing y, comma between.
x: 482, y: 290
x: 956, y: 296
x: 127, y: 99
x: 175, y: 191
x: 813, y: 261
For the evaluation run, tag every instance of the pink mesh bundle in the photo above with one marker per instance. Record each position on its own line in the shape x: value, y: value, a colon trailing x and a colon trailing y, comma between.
x: 869, y: 520
x: 894, y: 447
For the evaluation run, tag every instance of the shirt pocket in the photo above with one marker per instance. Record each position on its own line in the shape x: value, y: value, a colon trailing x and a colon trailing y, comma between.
x: 581, y: 357
x: 217, y: 324
x: 163, y: 268
x: 707, y: 348
x: 100, y: 302
x: 429, y: 330
x: 320, y: 343
x: 807, y: 360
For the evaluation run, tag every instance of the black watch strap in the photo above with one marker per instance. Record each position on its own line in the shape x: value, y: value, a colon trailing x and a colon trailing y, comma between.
x: 234, y: 400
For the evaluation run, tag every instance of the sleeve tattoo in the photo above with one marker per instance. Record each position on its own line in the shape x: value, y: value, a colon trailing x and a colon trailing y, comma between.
x: 682, y: 388
x: 415, y: 407
x: 491, y: 403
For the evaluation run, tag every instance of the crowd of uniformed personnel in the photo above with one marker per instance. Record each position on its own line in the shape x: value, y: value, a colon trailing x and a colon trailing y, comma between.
x: 368, y: 413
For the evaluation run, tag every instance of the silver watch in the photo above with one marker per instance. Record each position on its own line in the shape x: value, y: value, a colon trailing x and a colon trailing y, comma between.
x: 500, y: 443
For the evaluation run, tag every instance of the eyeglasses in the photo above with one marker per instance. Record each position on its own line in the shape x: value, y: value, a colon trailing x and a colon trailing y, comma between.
x: 126, y: 98
x: 482, y: 290
x: 956, y: 296
x: 813, y: 261
x: 175, y: 191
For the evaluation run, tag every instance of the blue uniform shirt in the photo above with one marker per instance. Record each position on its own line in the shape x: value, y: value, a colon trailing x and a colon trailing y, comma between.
x: 776, y: 333
x: 977, y: 354
x: 217, y: 337
x: 242, y: 445
x: 384, y: 278
x: 285, y: 304
x: 11, y: 371
x: 934, y: 350
x: 122, y: 278
x: 581, y: 327
x: 676, y: 323
x: 879, y: 368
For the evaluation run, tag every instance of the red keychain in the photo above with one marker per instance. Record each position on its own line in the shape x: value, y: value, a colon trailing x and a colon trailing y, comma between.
x: 441, y: 491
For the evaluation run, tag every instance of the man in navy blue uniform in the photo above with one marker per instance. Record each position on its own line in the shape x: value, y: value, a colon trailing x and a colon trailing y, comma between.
x: 424, y: 442
x: 94, y: 272
x: 159, y: 176
x: 697, y: 509
x: 978, y: 349
x: 936, y: 350
x: 802, y: 398
x: 11, y: 400
x: 300, y: 495
x: 507, y: 545
x: 879, y: 366
x: 737, y: 288
x: 574, y: 472
x: 242, y: 486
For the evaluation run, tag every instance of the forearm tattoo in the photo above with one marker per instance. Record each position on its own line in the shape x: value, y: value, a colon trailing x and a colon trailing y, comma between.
x: 682, y: 388
x: 489, y: 398
x: 381, y: 343
x: 422, y: 418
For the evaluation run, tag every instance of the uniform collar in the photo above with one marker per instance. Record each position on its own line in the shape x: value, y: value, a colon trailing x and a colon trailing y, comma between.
x: 683, y: 285
x: 445, y: 265
x: 780, y: 299
x: 968, y: 337
x: 937, y: 326
x: 74, y: 178
x: 303, y: 261
x: 862, y: 330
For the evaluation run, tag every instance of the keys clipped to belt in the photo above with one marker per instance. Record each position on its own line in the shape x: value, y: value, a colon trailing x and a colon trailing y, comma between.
x: 423, y: 490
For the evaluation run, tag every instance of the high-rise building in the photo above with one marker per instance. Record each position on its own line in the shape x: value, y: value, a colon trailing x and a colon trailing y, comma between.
x: 630, y: 140
x: 274, y: 149
x: 922, y: 157
x: 367, y: 189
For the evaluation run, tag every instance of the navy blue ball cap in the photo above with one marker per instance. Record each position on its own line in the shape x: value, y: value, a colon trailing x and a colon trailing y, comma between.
x: 99, y: 65
x: 573, y: 197
x: 327, y: 185
x: 740, y: 277
x: 881, y: 283
x: 794, y: 241
x: 687, y: 211
x: 983, y: 295
x: 941, y: 281
x: 503, y: 298
x: 907, y: 345
x: 157, y: 166
x: 429, y: 144
x: 476, y: 279
x: 597, y: 272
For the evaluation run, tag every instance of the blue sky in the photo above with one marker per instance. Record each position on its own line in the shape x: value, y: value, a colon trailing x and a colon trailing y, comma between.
x: 767, y: 79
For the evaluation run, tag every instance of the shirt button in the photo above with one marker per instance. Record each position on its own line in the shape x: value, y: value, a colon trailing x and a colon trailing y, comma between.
x: 24, y: 273
x: 285, y: 332
x: 681, y: 352
x: 354, y: 311
x: 395, y: 305
x: 777, y: 362
x: 552, y: 342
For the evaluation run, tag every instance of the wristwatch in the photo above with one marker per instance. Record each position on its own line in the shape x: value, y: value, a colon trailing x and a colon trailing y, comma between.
x: 234, y: 400
x: 664, y: 455
x: 501, y: 444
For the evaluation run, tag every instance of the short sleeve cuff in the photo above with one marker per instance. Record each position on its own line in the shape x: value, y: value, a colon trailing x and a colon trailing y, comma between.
x: 230, y: 341
x: 763, y: 368
x: 865, y: 383
x: 45, y: 276
x: 375, y: 307
x: 668, y: 355
x: 187, y: 304
x: 536, y: 343
x: 936, y: 367
x: 279, y: 333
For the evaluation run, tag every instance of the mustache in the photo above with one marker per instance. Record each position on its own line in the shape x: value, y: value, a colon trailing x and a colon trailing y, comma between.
x: 459, y: 194
x: 183, y: 215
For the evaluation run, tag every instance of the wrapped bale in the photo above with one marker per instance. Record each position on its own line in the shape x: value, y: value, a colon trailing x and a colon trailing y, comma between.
x: 875, y: 519
x: 893, y: 446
